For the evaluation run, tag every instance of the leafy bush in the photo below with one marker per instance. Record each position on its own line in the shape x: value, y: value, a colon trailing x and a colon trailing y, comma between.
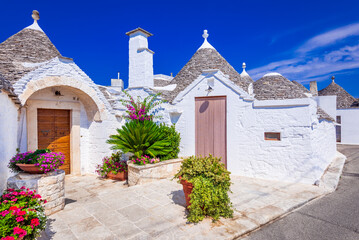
x: 141, y: 138
x: 174, y: 140
x: 113, y: 164
x: 43, y: 158
x: 142, y: 110
x: 21, y: 214
x: 211, y: 184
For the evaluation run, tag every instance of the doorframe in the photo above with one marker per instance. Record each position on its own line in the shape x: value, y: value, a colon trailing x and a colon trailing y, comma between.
x: 225, y: 120
x: 75, y: 113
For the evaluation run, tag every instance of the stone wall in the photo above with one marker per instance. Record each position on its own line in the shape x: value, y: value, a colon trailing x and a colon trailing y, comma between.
x: 138, y: 175
x: 50, y: 186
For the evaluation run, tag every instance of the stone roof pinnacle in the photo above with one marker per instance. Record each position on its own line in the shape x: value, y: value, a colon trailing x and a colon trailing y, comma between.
x: 35, y: 26
x: 206, y: 44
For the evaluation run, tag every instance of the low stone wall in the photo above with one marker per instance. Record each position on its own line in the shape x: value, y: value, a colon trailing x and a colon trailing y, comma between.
x: 50, y: 186
x: 138, y: 175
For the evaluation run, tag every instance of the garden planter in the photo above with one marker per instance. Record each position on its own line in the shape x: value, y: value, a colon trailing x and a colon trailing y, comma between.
x: 30, y: 168
x: 187, y: 189
x: 120, y: 176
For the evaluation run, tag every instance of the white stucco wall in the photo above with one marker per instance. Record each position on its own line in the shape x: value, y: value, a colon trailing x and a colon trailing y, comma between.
x: 292, y: 159
x: 350, y: 126
x: 93, y: 135
x: 8, y: 136
x: 328, y: 104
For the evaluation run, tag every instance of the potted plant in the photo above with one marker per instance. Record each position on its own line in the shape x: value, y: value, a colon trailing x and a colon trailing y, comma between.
x: 37, y: 162
x: 206, y: 184
x: 113, y: 167
x: 22, y: 214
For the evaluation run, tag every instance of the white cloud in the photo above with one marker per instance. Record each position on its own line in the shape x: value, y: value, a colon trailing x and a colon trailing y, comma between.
x: 306, y: 67
x: 330, y: 37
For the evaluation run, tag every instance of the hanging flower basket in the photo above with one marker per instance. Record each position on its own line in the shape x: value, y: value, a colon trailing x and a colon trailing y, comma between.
x: 30, y: 168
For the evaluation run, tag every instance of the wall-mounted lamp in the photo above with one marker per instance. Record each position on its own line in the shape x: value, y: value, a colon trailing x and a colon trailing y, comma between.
x: 209, y: 89
x: 58, y: 94
x: 210, y: 83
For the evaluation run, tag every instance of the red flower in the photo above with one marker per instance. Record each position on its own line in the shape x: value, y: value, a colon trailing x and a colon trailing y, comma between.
x: 21, y: 232
x: 13, y: 208
x: 37, y: 196
x: 19, y: 219
x: 21, y: 213
x: 8, y: 238
x: 23, y: 187
x: 35, y: 222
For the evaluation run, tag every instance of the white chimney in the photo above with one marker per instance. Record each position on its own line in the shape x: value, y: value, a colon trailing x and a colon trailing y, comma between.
x: 140, y: 58
x: 117, y: 83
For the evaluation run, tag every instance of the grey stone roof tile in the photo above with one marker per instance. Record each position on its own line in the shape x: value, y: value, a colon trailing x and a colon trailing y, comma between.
x: 344, y: 99
x: 20, y: 53
x: 276, y: 87
x: 203, y: 59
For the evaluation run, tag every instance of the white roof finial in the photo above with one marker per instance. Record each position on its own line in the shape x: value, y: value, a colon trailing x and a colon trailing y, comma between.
x: 205, y: 34
x: 206, y: 44
x: 244, y: 73
x: 244, y: 65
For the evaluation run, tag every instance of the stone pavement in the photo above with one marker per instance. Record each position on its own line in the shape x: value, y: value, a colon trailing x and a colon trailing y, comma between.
x: 105, y: 209
x: 332, y: 217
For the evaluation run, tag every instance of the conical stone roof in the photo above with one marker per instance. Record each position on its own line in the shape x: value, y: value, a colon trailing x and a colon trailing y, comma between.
x: 203, y: 59
x: 20, y: 53
x: 344, y: 99
x: 274, y: 86
x: 304, y: 89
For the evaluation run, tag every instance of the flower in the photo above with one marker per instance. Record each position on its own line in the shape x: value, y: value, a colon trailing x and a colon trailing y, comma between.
x: 35, y: 222
x: 19, y: 219
x: 21, y: 232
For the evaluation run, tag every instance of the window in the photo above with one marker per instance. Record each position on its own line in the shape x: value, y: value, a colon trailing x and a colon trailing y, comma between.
x: 272, y: 136
x: 339, y: 129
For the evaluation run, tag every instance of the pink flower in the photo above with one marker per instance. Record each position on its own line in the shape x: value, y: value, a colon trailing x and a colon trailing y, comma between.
x: 35, y: 222
x: 19, y: 219
x: 21, y: 232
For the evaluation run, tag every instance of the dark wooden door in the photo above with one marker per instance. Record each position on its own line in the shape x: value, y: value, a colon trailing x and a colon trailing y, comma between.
x: 211, y: 130
x: 53, y: 131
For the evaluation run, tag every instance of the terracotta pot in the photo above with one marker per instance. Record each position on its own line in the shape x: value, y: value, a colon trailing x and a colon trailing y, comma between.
x: 187, y: 189
x: 121, y: 176
x: 30, y: 168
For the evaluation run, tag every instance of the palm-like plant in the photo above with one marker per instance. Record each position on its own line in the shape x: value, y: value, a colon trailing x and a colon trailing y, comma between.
x: 141, y: 138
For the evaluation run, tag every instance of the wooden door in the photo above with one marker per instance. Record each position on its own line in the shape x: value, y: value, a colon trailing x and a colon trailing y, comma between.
x: 53, y: 131
x: 211, y: 130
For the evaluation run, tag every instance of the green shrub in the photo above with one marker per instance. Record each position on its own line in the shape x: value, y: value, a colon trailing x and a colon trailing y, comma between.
x: 174, y: 140
x: 141, y: 138
x: 211, y: 184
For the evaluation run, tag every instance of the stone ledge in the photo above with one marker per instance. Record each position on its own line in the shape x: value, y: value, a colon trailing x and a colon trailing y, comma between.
x: 330, y: 179
x: 141, y: 174
x: 51, y: 186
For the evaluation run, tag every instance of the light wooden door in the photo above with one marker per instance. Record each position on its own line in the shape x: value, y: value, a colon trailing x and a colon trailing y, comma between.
x: 53, y: 131
x: 211, y: 127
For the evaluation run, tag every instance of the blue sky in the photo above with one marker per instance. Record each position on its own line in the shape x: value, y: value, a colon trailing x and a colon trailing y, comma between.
x: 302, y: 40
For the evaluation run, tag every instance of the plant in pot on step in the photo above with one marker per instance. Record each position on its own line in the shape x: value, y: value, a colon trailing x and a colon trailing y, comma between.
x: 206, y: 184
x: 37, y: 162
x: 113, y: 167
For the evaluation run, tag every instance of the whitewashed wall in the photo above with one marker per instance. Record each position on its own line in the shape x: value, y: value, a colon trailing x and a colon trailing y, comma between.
x: 328, y: 104
x: 8, y: 136
x: 248, y: 154
x: 350, y: 125
x: 93, y: 146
